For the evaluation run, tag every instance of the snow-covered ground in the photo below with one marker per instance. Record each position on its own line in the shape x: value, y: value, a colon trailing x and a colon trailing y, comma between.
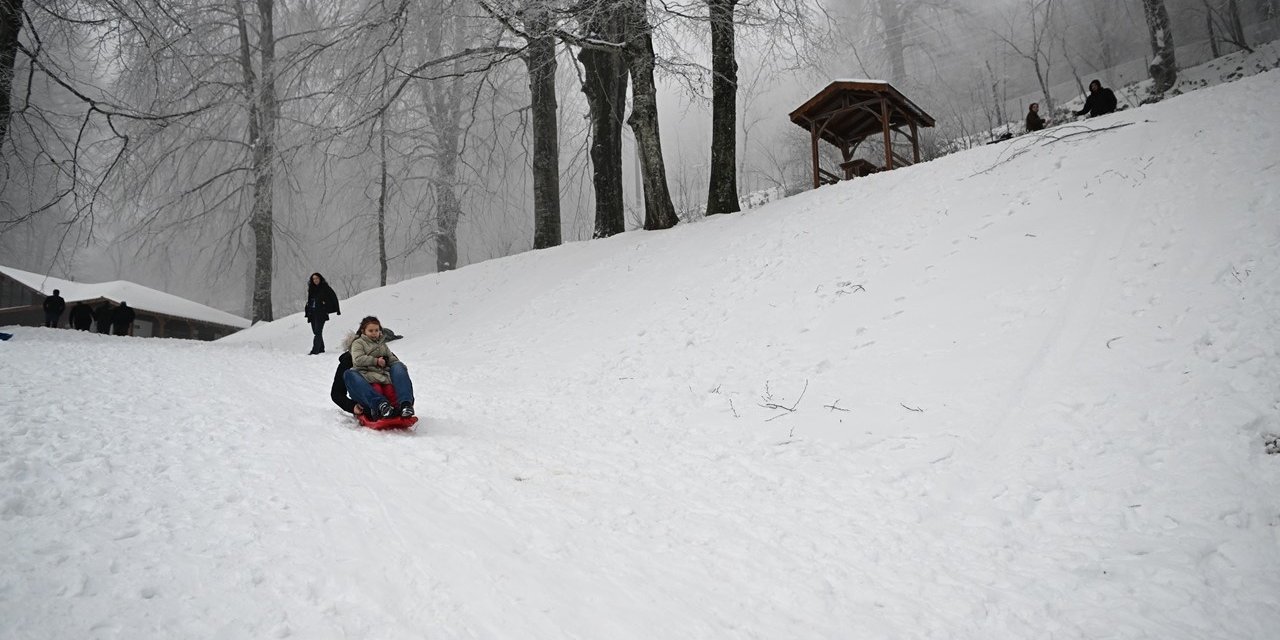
x: 1018, y: 392
x: 1227, y: 68
x: 1223, y: 69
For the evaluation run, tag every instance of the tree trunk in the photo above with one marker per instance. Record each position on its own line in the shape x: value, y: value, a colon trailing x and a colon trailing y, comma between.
x: 1164, y: 66
x: 722, y: 193
x: 605, y: 85
x: 260, y: 91
x: 1236, y: 26
x: 540, y: 58
x: 891, y: 21
x: 448, y: 205
x: 10, y: 29
x: 382, y: 195
x: 1213, y: 37
x: 449, y: 211
x: 443, y: 100
x: 996, y: 99
x: 264, y: 165
x: 659, y: 213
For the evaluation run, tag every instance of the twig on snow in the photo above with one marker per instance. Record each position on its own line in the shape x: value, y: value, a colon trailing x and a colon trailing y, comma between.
x: 1050, y: 136
x: 773, y: 405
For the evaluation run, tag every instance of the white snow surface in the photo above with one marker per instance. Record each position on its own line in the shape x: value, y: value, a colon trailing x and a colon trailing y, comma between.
x: 139, y: 297
x: 861, y: 80
x: 1017, y: 392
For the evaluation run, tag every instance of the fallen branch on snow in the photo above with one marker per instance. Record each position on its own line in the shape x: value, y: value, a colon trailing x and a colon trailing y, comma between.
x: 1048, y: 137
x: 769, y: 404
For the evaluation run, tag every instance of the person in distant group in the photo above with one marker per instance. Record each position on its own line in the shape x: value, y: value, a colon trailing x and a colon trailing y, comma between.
x: 321, y: 301
x: 122, y: 319
x: 1034, y: 121
x: 1101, y: 101
x: 81, y: 316
x: 53, y: 306
x: 103, y: 315
x: 373, y: 363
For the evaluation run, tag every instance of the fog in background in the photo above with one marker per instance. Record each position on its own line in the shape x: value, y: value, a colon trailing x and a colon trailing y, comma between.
x: 969, y: 63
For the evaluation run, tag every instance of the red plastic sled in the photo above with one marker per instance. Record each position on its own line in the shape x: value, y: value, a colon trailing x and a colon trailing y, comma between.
x: 395, y: 422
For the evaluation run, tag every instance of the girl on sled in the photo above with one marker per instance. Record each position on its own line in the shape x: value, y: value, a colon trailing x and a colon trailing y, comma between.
x: 373, y: 363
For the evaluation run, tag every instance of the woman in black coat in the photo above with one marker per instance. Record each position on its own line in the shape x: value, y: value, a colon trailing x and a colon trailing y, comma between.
x: 321, y: 301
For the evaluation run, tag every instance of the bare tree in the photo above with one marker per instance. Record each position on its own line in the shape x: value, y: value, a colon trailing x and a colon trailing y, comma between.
x: 215, y: 181
x: 260, y: 86
x: 639, y: 55
x: 442, y: 98
x: 1222, y: 19
x: 537, y: 26
x: 998, y: 97
x: 383, y: 177
x: 540, y: 58
x: 894, y: 16
x: 604, y: 83
x: 10, y: 29
x: 898, y: 26
x: 1036, y: 45
x: 722, y: 193
x: 1163, y: 65
x: 61, y: 126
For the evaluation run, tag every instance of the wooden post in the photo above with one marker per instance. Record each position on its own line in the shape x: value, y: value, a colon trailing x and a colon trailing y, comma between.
x: 888, y: 147
x: 813, y: 130
x: 915, y: 142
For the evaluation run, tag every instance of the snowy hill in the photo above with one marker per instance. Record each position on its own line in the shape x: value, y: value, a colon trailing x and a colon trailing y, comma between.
x: 1019, y: 392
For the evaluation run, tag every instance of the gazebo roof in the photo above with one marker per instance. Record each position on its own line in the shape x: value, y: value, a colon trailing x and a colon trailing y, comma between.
x: 846, y: 114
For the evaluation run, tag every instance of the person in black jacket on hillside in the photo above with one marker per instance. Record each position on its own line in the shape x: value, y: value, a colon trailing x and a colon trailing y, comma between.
x: 122, y: 319
x: 103, y: 315
x: 1034, y: 121
x: 81, y: 316
x: 1101, y: 101
x: 53, y: 306
x: 321, y: 301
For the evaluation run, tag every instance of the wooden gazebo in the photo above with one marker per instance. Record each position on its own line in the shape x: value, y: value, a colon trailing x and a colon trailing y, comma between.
x: 850, y: 111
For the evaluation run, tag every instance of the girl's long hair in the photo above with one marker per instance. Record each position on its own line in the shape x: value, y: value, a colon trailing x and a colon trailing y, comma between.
x: 312, y: 286
x: 368, y: 320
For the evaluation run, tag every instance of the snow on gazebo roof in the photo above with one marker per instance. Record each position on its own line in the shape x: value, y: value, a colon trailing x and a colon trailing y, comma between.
x: 139, y: 297
x: 840, y: 94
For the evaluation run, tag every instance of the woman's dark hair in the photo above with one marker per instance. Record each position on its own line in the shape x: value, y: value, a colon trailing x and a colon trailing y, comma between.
x: 368, y: 320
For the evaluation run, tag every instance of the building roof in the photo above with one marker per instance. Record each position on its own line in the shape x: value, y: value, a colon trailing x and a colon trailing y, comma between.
x: 835, y: 107
x: 139, y: 297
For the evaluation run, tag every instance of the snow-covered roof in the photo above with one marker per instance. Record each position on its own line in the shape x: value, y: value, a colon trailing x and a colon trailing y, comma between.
x: 860, y: 80
x: 139, y: 297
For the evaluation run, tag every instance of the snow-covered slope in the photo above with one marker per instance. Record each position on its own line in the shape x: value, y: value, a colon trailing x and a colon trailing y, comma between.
x: 1019, y: 392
